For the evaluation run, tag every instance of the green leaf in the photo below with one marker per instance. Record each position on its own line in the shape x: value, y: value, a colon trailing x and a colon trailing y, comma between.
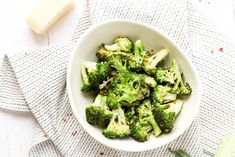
x: 179, y: 153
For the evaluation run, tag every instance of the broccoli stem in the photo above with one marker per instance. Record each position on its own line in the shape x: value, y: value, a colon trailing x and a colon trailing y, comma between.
x: 156, y: 58
x: 156, y: 130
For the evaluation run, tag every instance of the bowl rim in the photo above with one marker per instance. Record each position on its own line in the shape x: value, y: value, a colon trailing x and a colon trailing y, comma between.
x: 165, y: 37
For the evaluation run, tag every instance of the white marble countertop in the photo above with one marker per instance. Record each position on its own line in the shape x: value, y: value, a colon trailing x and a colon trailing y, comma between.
x: 17, y: 129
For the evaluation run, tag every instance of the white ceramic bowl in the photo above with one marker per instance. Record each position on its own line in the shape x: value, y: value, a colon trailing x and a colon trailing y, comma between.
x: 152, y: 38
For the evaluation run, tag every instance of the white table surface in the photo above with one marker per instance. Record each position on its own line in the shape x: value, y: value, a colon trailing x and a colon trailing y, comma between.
x: 17, y: 129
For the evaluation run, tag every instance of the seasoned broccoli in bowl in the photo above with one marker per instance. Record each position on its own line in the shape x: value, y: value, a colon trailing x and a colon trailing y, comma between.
x: 136, y: 95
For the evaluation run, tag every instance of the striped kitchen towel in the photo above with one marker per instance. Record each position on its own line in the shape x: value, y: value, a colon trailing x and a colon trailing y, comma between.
x: 35, y: 80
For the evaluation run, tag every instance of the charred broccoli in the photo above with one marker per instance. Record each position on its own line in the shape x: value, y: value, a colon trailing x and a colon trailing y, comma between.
x: 145, y: 124
x: 94, y: 74
x: 119, y: 63
x: 121, y: 46
x: 167, y: 75
x: 140, y: 130
x: 118, y: 126
x: 174, y: 77
x: 98, y: 113
x: 127, y: 88
x: 165, y: 115
x: 130, y: 114
x: 136, y: 63
x: 150, y: 62
x: 161, y: 94
x: 180, y: 88
x: 104, y: 87
x: 149, y: 80
x: 102, y: 54
x: 136, y: 96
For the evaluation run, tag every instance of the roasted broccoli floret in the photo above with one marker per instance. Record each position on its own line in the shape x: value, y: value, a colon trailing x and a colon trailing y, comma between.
x: 180, y: 88
x: 168, y: 75
x: 126, y: 90
x: 118, y: 126
x: 165, y: 115
x: 136, y: 62
x: 150, y: 81
x: 140, y: 130
x: 161, y: 94
x: 150, y: 62
x: 102, y: 53
x: 164, y: 74
x: 145, y: 124
x: 104, y: 87
x: 174, y: 77
x: 118, y: 62
x: 130, y: 114
x: 98, y: 113
x: 120, y: 45
x: 185, y: 89
x: 145, y: 113
x: 94, y: 74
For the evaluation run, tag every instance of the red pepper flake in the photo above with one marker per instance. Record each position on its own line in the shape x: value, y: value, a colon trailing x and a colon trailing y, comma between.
x: 221, y: 49
x: 64, y: 119
x: 174, y: 101
x: 74, y: 133
x: 211, y: 51
x: 46, y: 136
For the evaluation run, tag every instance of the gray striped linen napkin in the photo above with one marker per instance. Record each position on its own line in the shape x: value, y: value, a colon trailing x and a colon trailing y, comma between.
x: 35, y: 80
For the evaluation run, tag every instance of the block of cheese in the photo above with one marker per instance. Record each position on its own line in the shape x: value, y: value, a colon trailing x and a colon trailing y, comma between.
x: 46, y: 13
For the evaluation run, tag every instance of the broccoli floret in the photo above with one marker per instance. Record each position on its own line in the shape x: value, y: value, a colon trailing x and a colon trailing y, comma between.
x: 131, y: 114
x: 94, y: 74
x: 102, y: 53
x: 104, y: 87
x: 185, y: 89
x: 145, y: 113
x: 174, y: 77
x: 120, y: 45
x: 161, y: 94
x: 112, y: 100
x: 150, y: 62
x: 118, y: 126
x: 118, y: 62
x: 150, y: 81
x: 127, y: 88
x: 165, y: 115
x: 136, y: 63
x: 180, y: 88
x: 140, y: 130
x: 98, y: 113
x: 168, y: 75
x: 146, y: 123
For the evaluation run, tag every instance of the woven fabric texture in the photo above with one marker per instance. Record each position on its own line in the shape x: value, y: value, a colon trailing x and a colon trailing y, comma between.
x: 214, y: 56
x: 35, y: 80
